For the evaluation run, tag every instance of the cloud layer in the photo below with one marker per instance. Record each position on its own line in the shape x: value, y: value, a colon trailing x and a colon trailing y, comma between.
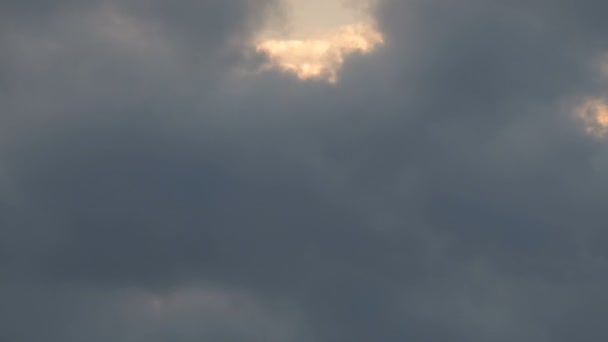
x: 443, y: 190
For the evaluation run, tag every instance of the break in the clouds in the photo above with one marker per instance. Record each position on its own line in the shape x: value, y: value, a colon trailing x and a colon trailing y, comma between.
x: 449, y: 186
x: 323, y: 56
x: 317, y: 36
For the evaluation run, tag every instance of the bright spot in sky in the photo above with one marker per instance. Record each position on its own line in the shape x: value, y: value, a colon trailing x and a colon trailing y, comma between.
x: 321, y: 33
x: 594, y: 115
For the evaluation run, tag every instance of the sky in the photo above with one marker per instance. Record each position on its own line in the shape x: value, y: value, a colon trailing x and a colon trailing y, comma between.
x: 164, y: 177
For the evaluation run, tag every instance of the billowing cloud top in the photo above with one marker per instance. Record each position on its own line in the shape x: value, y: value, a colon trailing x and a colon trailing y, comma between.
x: 449, y: 186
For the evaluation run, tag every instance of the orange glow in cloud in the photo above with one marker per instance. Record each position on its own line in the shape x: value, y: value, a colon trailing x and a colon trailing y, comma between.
x: 320, y: 57
x: 317, y: 36
x: 594, y: 115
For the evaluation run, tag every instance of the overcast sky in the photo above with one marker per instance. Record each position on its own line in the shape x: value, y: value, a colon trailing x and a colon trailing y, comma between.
x: 157, y: 184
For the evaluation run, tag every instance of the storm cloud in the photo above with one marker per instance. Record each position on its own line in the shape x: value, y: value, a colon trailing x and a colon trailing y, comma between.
x: 157, y: 185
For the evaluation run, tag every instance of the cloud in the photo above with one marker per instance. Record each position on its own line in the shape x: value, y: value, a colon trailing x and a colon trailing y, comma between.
x: 594, y: 115
x: 321, y: 57
x: 443, y: 189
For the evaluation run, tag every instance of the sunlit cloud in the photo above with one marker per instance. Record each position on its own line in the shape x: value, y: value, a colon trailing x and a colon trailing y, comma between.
x: 317, y: 36
x: 594, y: 115
x: 320, y: 57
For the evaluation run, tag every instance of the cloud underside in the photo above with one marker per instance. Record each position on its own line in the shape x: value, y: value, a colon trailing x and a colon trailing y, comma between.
x: 450, y: 185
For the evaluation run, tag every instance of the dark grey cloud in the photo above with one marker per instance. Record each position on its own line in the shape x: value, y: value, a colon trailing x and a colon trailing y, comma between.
x: 152, y: 190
